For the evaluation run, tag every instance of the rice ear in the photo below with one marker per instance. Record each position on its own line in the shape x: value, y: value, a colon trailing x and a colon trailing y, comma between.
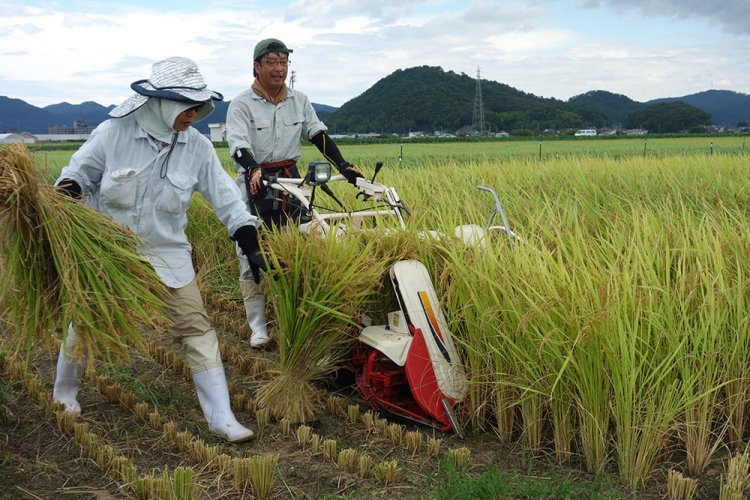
x: 65, y: 263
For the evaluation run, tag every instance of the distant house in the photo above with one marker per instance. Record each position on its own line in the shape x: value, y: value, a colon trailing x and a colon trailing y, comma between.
x: 80, y: 127
x: 635, y: 131
x: 217, y: 132
x: 585, y: 132
x: 16, y: 138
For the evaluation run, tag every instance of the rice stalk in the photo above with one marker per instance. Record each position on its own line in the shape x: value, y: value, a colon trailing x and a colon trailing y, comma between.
x: 641, y: 351
x: 680, y: 487
x: 348, y: 459
x: 325, y: 282
x: 183, y: 483
x: 735, y: 483
x: 262, y: 474
x: 65, y: 263
x: 386, y: 472
x: 365, y: 466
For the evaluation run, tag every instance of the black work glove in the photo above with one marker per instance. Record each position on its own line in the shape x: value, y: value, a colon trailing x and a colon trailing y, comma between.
x: 351, y: 173
x: 247, y: 239
x: 70, y: 188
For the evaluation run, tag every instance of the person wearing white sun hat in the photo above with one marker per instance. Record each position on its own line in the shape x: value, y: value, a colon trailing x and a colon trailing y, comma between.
x: 141, y: 168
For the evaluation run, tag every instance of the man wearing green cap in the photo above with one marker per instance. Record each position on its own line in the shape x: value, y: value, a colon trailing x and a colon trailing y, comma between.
x: 265, y: 125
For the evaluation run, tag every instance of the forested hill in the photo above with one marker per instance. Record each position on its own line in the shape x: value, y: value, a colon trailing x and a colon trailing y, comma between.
x: 428, y: 99
x: 727, y: 108
x: 616, y: 107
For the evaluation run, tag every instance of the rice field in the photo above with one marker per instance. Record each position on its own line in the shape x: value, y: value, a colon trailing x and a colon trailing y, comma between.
x: 613, y: 338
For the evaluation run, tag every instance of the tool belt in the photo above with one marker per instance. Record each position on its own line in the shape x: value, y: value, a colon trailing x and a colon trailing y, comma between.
x: 271, y: 205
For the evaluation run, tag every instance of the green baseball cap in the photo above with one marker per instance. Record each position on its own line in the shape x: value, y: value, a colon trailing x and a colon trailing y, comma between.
x: 270, y: 45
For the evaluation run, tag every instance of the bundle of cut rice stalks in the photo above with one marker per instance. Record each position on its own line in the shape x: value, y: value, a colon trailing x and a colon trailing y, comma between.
x: 316, y: 295
x: 65, y: 263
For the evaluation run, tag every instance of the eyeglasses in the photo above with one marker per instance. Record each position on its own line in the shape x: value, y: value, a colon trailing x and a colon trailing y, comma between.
x: 272, y: 63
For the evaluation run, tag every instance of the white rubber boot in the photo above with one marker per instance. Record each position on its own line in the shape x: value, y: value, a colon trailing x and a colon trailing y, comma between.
x: 68, y: 375
x: 213, y: 395
x: 255, y: 311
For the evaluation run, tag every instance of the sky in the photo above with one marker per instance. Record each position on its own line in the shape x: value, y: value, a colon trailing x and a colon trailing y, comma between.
x: 54, y: 51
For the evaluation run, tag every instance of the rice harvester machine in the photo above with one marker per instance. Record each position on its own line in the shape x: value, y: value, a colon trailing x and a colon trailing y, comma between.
x: 410, y: 366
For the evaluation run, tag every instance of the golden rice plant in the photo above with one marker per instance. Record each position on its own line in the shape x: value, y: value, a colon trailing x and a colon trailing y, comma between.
x: 170, y: 430
x: 386, y: 472
x: 383, y: 426
x: 736, y: 482
x: 365, y: 466
x: 104, y: 456
x: 396, y: 434
x: 286, y: 426
x: 183, y: 439
x: 262, y: 474
x: 183, y: 486
x: 413, y: 442
x: 214, y: 254
x: 223, y: 464
x: 65, y: 421
x: 315, y: 296
x: 141, y: 410
x: 329, y: 449
x: 80, y: 429
x: 304, y: 434
x: 261, y: 417
x: 433, y: 446
x: 242, y: 469
x: 65, y: 263
x: 154, y: 420
x: 315, y: 443
x: 460, y: 457
x: 352, y: 413
x: 680, y: 487
x: 368, y: 419
x: 335, y: 404
x: 152, y: 486
x: 348, y: 459
x: 124, y: 469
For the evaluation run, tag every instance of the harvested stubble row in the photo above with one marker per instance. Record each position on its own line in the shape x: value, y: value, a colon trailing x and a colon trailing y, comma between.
x: 118, y: 467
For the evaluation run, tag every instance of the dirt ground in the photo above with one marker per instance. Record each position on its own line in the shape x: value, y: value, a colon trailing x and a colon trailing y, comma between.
x: 38, y: 460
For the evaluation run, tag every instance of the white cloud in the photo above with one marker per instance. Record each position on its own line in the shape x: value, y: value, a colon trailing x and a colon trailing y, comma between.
x: 96, y: 54
x: 732, y: 15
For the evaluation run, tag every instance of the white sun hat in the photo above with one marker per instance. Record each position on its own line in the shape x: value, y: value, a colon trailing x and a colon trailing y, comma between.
x: 175, y: 79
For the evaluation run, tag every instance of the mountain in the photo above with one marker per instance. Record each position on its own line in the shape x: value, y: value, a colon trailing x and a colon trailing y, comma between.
x: 428, y: 98
x: 425, y: 99
x: 19, y: 116
x: 88, y: 111
x: 727, y: 108
x: 669, y: 117
x: 616, y: 107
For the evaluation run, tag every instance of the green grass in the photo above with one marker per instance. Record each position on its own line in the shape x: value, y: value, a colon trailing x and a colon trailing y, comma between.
x: 159, y: 391
x: 413, y: 154
x: 459, y: 483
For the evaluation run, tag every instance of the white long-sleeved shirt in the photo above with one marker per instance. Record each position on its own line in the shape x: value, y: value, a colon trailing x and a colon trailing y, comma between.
x: 124, y: 174
x: 271, y: 132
